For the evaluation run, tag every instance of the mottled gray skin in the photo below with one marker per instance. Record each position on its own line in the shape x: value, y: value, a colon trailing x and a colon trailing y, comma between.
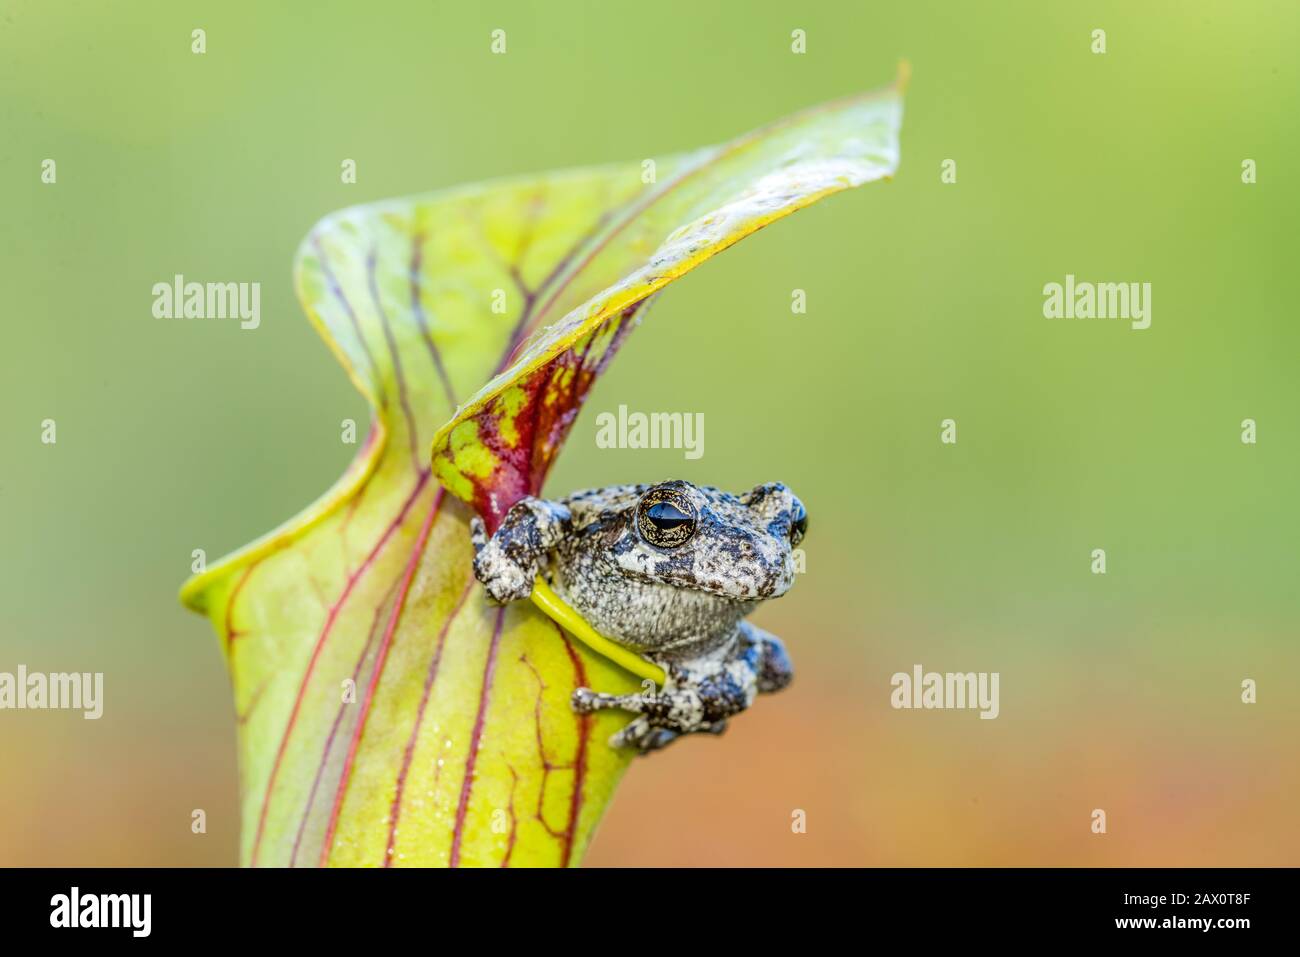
x: 670, y: 571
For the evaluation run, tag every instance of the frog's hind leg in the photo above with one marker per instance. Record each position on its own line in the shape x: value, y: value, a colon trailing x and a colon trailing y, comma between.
x: 773, y: 669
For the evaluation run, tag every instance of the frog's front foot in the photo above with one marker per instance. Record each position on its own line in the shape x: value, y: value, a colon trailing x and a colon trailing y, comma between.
x: 643, y: 733
x: 640, y: 733
x: 685, y: 706
x: 586, y: 701
x: 509, y: 561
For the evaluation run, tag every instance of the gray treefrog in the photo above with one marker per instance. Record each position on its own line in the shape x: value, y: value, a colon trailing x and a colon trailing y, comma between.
x: 670, y: 571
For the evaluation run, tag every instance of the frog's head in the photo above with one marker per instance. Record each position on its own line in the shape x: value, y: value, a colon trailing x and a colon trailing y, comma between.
x: 735, y: 547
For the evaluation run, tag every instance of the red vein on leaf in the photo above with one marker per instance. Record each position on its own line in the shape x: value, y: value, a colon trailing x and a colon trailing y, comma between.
x: 625, y: 323
x: 514, y: 820
x: 529, y: 311
x: 471, y: 758
x: 328, y: 627
x: 511, y: 266
x: 417, y: 254
x: 350, y: 512
x: 241, y: 717
x: 536, y: 203
x: 580, y: 757
x: 231, y: 633
x: 412, y: 431
x: 354, y: 504
x: 338, y: 721
x: 319, y: 589
x: 578, y: 766
x: 337, y: 290
x: 547, y: 764
x: 395, y: 811
x: 627, y: 214
x: 395, y: 615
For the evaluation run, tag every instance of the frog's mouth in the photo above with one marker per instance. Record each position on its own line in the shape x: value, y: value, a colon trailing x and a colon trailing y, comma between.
x: 723, y: 576
x: 671, y: 584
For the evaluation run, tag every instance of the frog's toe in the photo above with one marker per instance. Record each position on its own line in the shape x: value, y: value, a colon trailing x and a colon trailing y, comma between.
x: 504, y: 582
x: 656, y: 739
x: 632, y: 734
x: 584, y: 700
x: 644, y: 736
x: 478, y: 535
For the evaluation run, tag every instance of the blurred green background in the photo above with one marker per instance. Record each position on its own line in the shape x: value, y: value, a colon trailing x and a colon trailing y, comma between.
x: 924, y: 302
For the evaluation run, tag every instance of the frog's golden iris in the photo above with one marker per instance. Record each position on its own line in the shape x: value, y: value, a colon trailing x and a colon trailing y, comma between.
x: 665, y: 519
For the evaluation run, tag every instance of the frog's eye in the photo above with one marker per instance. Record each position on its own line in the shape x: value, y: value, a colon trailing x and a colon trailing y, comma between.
x: 666, y: 521
x: 798, y: 523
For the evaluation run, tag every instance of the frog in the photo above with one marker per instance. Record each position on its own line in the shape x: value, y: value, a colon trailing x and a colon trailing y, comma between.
x: 669, y: 570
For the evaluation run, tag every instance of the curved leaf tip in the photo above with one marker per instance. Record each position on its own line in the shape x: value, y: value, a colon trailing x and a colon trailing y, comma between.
x: 501, y: 443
